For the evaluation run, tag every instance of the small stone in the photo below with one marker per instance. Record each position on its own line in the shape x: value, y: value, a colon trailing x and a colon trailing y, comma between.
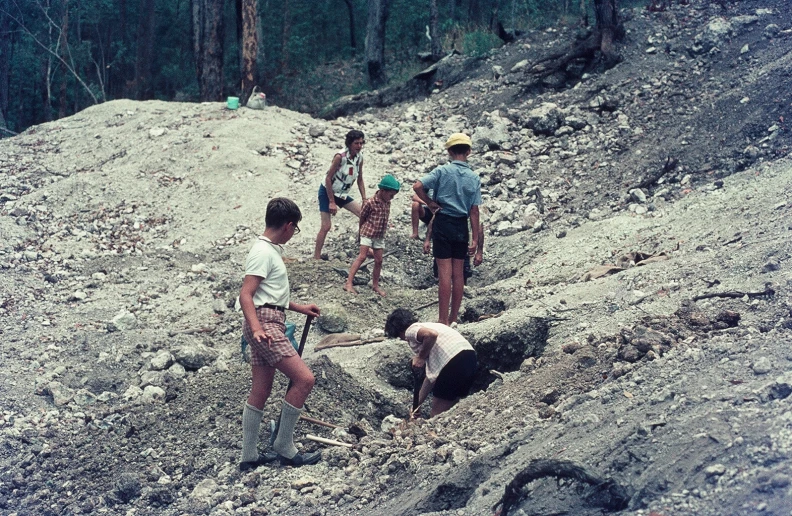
x: 78, y: 295
x: 155, y: 132
x: 162, y: 360
x: 123, y: 321
x: 715, y: 470
x: 771, y: 266
x: 779, y: 480
x: 762, y: 366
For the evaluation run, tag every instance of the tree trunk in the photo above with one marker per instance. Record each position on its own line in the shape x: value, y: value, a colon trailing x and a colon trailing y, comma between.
x: 249, y: 47
x: 352, y: 39
x: 63, y: 45
x: 375, y: 42
x: 5, y: 60
x: 434, y: 31
x: 208, y: 47
x: 606, y: 15
x: 285, y: 36
x: 584, y: 20
x: 144, y: 51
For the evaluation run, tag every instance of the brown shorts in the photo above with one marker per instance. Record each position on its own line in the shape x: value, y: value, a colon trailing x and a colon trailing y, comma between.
x: 273, y: 322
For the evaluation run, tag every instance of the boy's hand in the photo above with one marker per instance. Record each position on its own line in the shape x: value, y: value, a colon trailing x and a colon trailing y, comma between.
x: 261, y: 336
x: 418, y: 362
x: 427, y: 247
x: 472, y: 249
x: 478, y: 259
x: 311, y: 310
x: 333, y: 208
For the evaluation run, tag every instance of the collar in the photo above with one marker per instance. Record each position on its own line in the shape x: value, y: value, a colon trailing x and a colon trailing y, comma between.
x: 266, y: 239
x: 461, y: 163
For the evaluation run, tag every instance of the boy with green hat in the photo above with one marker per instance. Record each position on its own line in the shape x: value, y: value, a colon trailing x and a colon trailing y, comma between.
x: 373, y: 224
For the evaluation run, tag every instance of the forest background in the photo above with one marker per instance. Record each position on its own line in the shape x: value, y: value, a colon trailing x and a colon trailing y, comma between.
x: 58, y: 57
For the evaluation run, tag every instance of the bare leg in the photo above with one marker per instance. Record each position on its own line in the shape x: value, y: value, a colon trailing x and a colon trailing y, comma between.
x: 354, y: 207
x: 440, y: 405
x: 361, y: 257
x: 320, y: 237
x: 262, y: 385
x: 302, y: 379
x: 415, y: 217
x: 457, y: 288
x: 375, y: 274
x: 444, y: 288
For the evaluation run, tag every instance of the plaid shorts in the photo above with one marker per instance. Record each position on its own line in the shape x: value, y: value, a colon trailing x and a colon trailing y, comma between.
x: 273, y: 322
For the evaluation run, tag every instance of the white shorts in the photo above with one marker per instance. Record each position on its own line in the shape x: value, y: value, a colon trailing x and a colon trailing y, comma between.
x: 374, y: 243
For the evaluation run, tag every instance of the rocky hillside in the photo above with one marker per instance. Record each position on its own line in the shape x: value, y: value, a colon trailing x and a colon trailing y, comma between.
x: 632, y: 316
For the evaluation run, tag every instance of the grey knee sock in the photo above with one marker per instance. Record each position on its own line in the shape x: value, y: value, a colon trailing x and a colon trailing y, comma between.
x: 284, y: 444
x: 251, y: 420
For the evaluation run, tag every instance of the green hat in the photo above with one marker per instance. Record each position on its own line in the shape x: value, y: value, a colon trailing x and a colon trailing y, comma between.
x: 389, y: 183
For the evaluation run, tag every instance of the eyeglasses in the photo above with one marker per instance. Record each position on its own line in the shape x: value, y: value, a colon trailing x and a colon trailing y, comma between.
x: 296, y: 228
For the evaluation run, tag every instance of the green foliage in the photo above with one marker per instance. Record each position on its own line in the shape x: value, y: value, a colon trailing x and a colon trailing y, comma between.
x: 307, y: 55
x: 477, y: 43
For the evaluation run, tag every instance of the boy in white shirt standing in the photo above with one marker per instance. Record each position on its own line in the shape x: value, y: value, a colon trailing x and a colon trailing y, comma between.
x: 264, y: 297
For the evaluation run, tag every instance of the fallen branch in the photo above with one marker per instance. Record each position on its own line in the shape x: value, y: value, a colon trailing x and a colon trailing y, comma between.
x: 497, y: 373
x: 358, y: 342
x: 608, y: 493
x: 327, y: 441
x: 8, y: 131
x: 318, y: 421
x: 768, y: 291
x: 191, y: 331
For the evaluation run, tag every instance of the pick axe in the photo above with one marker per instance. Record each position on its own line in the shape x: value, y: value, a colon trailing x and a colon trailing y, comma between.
x: 275, y: 425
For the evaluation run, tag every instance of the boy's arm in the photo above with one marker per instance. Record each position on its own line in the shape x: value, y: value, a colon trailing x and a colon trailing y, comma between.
x: 479, y: 257
x: 365, y: 213
x: 361, y: 183
x: 427, y: 337
x: 249, y: 286
x: 419, y: 190
x: 309, y: 309
x: 475, y: 225
x: 428, y: 240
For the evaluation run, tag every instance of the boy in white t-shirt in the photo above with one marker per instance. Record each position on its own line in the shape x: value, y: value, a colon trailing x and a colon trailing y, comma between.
x: 264, y: 297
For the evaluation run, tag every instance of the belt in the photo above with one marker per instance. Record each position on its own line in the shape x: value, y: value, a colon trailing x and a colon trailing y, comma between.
x: 273, y: 307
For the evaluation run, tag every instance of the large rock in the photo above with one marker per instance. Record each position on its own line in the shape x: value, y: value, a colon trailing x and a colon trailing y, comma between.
x: 492, y: 135
x: 716, y: 32
x: 545, y: 119
x: 194, y: 356
x: 502, y: 343
x: 334, y: 319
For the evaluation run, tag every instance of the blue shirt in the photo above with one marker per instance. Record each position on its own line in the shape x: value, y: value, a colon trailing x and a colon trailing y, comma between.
x: 457, y: 188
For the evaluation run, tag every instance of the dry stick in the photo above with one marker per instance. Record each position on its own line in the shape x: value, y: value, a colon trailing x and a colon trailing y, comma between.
x: 768, y: 291
x: 318, y: 421
x: 427, y: 305
x: 357, y: 342
x: 327, y: 441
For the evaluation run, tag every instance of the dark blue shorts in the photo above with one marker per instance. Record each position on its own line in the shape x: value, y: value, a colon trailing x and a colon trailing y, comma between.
x: 449, y: 237
x: 324, y: 202
x: 456, y: 378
